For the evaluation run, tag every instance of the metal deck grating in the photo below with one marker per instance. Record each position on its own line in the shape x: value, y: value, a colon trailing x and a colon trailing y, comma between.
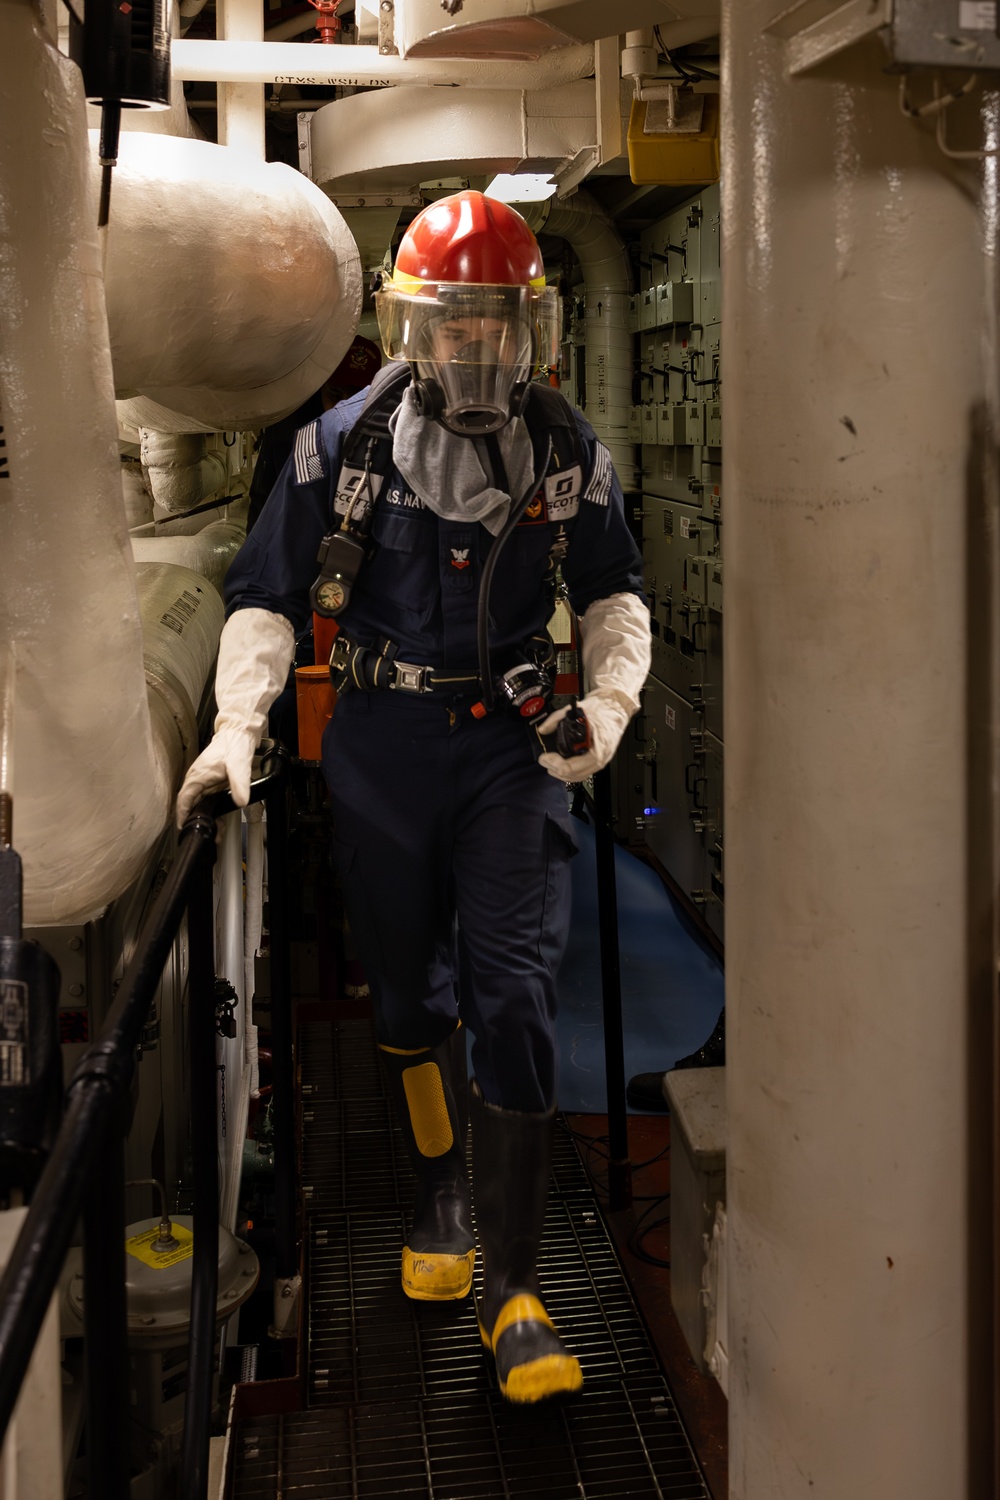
x: 402, y: 1402
x: 622, y: 1440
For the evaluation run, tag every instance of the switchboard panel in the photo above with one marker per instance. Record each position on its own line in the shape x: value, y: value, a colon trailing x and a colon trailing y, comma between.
x: 674, y: 785
x: 713, y: 903
x: 678, y: 396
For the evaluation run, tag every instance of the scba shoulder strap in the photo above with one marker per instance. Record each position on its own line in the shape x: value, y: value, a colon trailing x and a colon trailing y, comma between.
x: 366, y: 459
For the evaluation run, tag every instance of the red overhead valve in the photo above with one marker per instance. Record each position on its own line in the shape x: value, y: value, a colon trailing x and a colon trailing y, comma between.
x: 328, y: 23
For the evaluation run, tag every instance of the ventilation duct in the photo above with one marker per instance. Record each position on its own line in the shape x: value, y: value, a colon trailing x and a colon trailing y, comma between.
x: 529, y: 28
x: 607, y: 275
x: 358, y: 146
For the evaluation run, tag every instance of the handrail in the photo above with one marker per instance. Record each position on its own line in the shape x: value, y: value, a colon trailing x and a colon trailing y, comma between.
x: 88, y: 1153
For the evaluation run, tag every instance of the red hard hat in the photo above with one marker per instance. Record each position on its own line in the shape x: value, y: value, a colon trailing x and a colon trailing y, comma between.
x: 469, y: 238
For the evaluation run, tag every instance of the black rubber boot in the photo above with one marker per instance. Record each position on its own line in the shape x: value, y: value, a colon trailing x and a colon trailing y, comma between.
x: 712, y: 1054
x: 511, y: 1155
x: 430, y: 1092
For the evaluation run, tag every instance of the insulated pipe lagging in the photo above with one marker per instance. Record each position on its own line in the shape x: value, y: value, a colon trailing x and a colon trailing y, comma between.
x: 366, y: 67
x: 272, y: 308
x: 91, y: 797
x: 208, y: 552
x: 181, y: 471
x: 182, y: 617
x: 607, y: 275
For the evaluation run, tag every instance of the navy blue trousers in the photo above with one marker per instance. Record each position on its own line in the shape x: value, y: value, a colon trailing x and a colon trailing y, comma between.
x: 453, y: 846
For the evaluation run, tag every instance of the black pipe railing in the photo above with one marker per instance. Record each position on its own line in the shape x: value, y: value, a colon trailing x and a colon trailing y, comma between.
x: 85, y: 1169
x: 282, y: 1065
x: 619, y: 1166
x: 205, y: 1173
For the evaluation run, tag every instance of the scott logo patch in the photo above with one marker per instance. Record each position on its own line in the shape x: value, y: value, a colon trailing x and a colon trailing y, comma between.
x: 348, y: 485
x: 460, y: 557
x: 562, y: 493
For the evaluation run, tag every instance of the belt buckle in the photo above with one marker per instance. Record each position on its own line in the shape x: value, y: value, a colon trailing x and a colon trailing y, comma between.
x: 410, y: 678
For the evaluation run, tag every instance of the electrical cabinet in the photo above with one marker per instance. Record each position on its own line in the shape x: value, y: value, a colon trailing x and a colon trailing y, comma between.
x: 678, y: 735
x: 668, y: 777
x: 673, y: 784
x: 713, y: 902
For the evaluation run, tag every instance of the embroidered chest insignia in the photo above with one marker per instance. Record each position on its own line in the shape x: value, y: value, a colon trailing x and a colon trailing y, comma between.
x: 534, y: 514
x: 460, y: 557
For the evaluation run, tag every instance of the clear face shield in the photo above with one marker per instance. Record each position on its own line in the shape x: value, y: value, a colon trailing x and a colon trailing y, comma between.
x: 473, y: 348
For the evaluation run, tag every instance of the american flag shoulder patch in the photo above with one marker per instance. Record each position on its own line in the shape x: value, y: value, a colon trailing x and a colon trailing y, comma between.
x: 598, y: 490
x: 310, y: 460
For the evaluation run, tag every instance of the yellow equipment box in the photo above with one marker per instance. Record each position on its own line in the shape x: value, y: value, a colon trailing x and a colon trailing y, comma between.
x: 673, y: 158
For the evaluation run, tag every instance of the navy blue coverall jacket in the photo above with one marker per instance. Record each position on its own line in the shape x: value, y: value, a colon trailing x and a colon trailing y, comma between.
x: 439, y: 815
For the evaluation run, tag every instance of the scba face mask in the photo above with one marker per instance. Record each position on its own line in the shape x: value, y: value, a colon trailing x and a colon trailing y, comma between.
x: 473, y: 348
x: 468, y: 307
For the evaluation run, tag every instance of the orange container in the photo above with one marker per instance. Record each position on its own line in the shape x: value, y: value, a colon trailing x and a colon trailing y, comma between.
x: 324, y: 633
x: 314, y: 700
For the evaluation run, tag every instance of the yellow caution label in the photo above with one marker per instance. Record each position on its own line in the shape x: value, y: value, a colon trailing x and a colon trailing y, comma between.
x: 141, y: 1246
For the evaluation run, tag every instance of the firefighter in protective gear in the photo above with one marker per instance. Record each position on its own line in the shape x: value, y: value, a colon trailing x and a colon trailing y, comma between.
x: 441, y: 811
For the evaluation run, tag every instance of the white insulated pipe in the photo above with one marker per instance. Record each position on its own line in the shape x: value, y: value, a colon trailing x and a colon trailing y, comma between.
x: 233, y: 286
x: 366, y: 67
x: 135, y: 493
x: 610, y: 357
x: 182, y: 472
x: 90, y: 796
x: 181, y: 616
x: 241, y: 105
x: 859, y: 909
x: 207, y: 552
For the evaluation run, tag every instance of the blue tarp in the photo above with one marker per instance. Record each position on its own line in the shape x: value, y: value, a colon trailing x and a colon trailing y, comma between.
x: 672, y: 984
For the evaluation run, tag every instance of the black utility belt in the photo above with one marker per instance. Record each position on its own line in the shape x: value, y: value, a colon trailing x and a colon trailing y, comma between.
x: 373, y: 668
x: 526, y: 686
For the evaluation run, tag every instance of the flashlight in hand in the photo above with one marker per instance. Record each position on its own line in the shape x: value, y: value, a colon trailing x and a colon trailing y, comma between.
x: 570, y: 737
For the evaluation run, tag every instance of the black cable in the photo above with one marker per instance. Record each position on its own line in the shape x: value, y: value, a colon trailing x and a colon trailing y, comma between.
x: 689, y: 70
x: 597, y: 1141
x: 517, y: 510
x: 640, y: 1230
x: 182, y: 515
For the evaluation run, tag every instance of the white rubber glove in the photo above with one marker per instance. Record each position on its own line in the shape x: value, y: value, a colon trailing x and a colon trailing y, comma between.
x: 255, y: 652
x: 616, y: 653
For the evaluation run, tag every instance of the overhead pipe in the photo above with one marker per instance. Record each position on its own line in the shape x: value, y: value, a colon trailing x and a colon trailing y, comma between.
x: 366, y: 67
x: 607, y: 275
